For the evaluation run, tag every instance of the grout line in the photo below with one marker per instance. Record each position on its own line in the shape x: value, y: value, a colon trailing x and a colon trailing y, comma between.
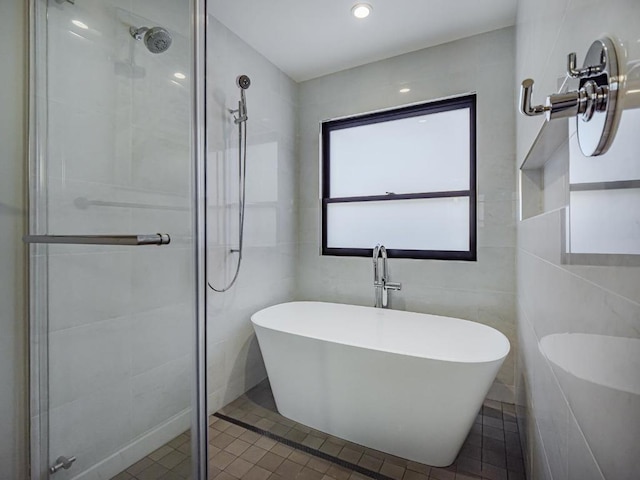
x: 564, y: 269
x: 305, y: 448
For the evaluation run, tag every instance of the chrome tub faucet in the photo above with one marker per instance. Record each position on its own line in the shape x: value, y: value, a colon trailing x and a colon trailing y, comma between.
x: 381, y: 282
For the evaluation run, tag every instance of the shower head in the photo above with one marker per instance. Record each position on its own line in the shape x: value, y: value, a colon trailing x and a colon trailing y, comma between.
x: 156, y: 39
x: 243, y: 82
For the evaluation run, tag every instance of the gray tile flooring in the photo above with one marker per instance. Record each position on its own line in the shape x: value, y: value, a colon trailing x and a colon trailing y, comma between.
x: 256, y: 443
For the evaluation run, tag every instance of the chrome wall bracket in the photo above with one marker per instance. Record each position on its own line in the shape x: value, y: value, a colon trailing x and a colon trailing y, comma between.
x: 595, y: 103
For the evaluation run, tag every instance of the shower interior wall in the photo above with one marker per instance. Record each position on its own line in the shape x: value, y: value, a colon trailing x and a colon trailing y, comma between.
x: 270, y: 238
x: 579, y: 406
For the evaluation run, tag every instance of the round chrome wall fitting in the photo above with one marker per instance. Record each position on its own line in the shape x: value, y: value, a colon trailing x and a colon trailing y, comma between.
x: 596, y: 103
x: 597, y: 126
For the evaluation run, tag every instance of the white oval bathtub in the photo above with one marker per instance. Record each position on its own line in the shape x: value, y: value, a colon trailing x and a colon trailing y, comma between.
x: 405, y: 383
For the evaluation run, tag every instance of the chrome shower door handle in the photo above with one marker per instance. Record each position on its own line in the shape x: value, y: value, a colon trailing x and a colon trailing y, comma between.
x: 131, y: 240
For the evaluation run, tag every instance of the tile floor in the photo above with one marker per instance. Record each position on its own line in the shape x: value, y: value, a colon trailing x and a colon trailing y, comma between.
x: 249, y: 440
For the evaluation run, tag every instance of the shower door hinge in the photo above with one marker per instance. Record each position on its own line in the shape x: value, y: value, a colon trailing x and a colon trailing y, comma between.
x: 62, y: 462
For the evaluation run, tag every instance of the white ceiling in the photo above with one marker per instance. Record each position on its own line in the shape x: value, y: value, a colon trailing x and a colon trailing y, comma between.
x: 308, y: 39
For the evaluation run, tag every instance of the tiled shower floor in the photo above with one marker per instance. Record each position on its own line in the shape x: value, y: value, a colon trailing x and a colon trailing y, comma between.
x: 249, y: 440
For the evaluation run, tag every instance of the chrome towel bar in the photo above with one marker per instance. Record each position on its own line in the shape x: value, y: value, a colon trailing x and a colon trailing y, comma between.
x: 145, y: 239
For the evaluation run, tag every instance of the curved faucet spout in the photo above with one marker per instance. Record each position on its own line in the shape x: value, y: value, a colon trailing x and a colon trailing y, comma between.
x: 383, y: 254
x: 377, y: 283
x: 376, y: 253
x: 381, y: 282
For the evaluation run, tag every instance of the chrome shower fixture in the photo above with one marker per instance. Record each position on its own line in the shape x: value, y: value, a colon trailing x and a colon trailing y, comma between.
x: 243, y: 82
x: 156, y: 39
x: 594, y: 104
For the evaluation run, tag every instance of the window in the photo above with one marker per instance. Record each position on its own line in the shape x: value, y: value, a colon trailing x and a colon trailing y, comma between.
x: 405, y: 178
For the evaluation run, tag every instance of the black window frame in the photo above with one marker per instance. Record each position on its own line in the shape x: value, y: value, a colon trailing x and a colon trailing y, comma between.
x: 426, y: 108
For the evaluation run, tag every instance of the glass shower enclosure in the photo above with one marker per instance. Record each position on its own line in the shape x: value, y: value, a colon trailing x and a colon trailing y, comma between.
x: 114, y: 238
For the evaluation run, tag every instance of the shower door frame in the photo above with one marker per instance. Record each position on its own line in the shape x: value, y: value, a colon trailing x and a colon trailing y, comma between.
x: 37, y: 253
x: 200, y: 426
x: 37, y: 258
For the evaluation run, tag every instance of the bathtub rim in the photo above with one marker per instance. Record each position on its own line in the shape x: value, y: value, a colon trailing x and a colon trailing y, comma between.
x: 506, y: 344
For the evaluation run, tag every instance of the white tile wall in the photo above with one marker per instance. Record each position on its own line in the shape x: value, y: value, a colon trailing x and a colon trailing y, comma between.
x: 13, y: 365
x: 578, y: 424
x: 270, y: 237
x: 482, y: 291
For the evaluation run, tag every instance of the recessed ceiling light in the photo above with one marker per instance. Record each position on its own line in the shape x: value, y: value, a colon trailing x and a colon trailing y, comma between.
x: 404, y: 90
x: 361, y: 10
x: 80, y: 24
x: 179, y: 75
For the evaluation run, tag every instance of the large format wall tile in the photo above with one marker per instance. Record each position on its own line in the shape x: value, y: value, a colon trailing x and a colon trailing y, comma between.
x: 579, y: 325
x: 270, y: 234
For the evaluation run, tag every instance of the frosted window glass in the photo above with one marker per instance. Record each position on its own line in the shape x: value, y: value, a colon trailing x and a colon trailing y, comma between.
x: 427, y: 153
x: 605, y: 221
x: 416, y: 224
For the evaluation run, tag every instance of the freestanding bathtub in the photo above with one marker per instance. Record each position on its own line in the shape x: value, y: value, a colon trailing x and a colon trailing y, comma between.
x: 405, y: 383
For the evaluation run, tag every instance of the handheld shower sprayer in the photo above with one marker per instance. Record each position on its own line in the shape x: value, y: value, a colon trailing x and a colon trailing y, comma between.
x: 242, y: 108
x: 240, y: 119
x: 243, y: 82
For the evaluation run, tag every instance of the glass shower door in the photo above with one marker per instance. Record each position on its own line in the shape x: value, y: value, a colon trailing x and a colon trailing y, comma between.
x: 112, y: 254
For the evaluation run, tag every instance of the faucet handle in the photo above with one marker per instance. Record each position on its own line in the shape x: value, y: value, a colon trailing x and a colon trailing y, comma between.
x: 526, y: 91
x: 588, y: 71
x: 393, y: 286
x: 386, y: 286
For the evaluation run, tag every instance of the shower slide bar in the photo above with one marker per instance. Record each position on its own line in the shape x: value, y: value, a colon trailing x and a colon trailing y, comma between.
x: 135, y: 240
